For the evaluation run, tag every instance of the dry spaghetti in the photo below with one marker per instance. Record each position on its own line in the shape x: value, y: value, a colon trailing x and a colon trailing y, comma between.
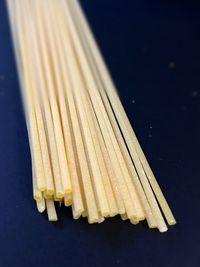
x: 85, y: 153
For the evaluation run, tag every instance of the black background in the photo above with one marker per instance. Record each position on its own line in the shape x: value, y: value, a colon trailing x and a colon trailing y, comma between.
x: 153, y: 52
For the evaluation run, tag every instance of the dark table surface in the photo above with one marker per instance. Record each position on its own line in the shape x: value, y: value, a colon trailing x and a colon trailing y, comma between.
x: 153, y: 51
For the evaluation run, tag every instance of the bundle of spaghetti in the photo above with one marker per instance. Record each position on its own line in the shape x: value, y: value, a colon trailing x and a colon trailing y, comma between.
x: 84, y: 151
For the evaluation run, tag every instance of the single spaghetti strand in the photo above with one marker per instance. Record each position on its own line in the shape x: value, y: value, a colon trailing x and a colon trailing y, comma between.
x: 37, y: 194
x: 68, y: 201
x: 51, y: 211
x: 41, y: 206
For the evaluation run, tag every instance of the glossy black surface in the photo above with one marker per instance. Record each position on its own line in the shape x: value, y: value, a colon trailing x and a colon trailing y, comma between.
x: 153, y: 51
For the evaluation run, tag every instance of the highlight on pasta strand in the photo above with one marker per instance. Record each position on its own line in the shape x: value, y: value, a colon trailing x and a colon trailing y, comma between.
x: 85, y: 153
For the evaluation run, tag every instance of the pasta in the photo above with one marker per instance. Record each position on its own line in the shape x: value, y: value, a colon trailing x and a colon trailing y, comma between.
x: 85, y: 154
